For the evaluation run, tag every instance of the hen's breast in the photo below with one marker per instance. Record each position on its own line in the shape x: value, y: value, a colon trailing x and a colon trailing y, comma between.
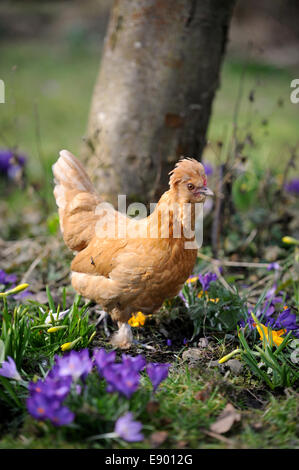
x: 168, y: 275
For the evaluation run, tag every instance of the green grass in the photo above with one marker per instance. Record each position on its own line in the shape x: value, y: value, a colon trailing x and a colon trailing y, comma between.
x: 48, y: 92
x: 270, y: 118
x: 48, y: 95
x: 184, y: 407
x: 186, y: 419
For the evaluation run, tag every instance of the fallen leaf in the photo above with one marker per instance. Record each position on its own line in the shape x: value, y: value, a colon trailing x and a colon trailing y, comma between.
x: 152, y: 407
x: 203, y: 394
x: 181, y: 444
x: 225, y: 420
x: 157, y: 438
x: 219, y: 437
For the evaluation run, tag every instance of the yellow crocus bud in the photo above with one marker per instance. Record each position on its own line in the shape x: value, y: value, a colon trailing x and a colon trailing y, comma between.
x: 228, y: 356
x: 290, y: 240
x: 15, y: 290
x: 70, y: 345
x: 53, y: 329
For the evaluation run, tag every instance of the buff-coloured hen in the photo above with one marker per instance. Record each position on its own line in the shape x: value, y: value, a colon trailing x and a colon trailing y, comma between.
x: 123, y: 264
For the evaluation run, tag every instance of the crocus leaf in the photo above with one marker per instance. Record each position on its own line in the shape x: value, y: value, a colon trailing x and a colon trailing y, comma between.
x: 2, y: 351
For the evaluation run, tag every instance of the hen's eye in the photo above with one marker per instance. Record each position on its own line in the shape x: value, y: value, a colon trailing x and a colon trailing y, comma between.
x: 190, y: 186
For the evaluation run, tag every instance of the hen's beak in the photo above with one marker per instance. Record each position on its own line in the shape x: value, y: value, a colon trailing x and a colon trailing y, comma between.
x: 206, y: 191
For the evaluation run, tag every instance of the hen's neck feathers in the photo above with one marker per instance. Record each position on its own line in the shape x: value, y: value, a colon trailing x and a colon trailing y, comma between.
x: 173, y: 216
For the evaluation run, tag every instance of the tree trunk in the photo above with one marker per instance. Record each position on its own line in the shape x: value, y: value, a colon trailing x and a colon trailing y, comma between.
x: 153, y: 96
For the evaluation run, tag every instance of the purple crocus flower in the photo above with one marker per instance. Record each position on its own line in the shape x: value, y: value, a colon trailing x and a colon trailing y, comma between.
x: 292, y: 186
x: 121, y: 379
x: 53, y: 388
x: 76, y: 364
x: 137, y: 363
x: 9, y: 369
x: 264, y: 315
x: 46, y: 397
x: 271, y: 297
x: 277, y: 299
x: 6, y: 157
x: 7, y: 278
x: 103, y: 359
x: 11, y: 279
x: 42, y: 407
x: 271, y: 292
x: 11, y: 163
x: 267, y: 310
x: 2, y: 276
x: 269, y: 322
x: 25, y: 294
x: 206, y: 280
x: 287, y: 320
x: 208, y: 168
x: 128, y: 429
x: 250, y: 322
x: 157, y: 373
x: 38, y: 406
x: 273, y: 266
x: 61, y: 416
x: 247, y: 321
x: 169, y: 342
x: 183, y: 298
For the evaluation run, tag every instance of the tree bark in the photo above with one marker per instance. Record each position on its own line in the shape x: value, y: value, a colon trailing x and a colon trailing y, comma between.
x: 153, y: 96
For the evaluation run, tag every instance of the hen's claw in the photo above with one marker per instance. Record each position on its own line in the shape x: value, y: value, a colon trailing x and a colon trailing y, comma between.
x: 146, y: 346
x: 103, y: 318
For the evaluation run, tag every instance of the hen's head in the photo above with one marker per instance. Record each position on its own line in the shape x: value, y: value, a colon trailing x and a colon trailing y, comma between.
x: 189, y: 181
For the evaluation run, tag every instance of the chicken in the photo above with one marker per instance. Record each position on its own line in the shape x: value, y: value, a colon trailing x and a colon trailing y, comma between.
x: 123, y: 264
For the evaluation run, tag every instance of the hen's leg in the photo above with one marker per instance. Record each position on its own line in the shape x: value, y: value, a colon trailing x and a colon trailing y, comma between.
x: 123, y: 338
x: 103, y: 318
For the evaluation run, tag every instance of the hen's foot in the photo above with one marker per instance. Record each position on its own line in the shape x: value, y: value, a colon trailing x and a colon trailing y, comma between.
x: 145, y: 346
x: 123, y: 338
x: 103, y: 318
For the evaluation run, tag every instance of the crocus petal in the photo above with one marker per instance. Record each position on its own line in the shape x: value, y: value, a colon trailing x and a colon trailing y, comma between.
x: 157, y: 373
x: 9, y: 369
x: 128, y: 429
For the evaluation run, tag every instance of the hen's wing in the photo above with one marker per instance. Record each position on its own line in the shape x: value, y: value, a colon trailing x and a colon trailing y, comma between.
x: 109, y: 269
x: 139, y: 273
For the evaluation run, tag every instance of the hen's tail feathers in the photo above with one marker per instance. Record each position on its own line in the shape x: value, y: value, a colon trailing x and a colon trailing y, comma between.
x: 76, y: 201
